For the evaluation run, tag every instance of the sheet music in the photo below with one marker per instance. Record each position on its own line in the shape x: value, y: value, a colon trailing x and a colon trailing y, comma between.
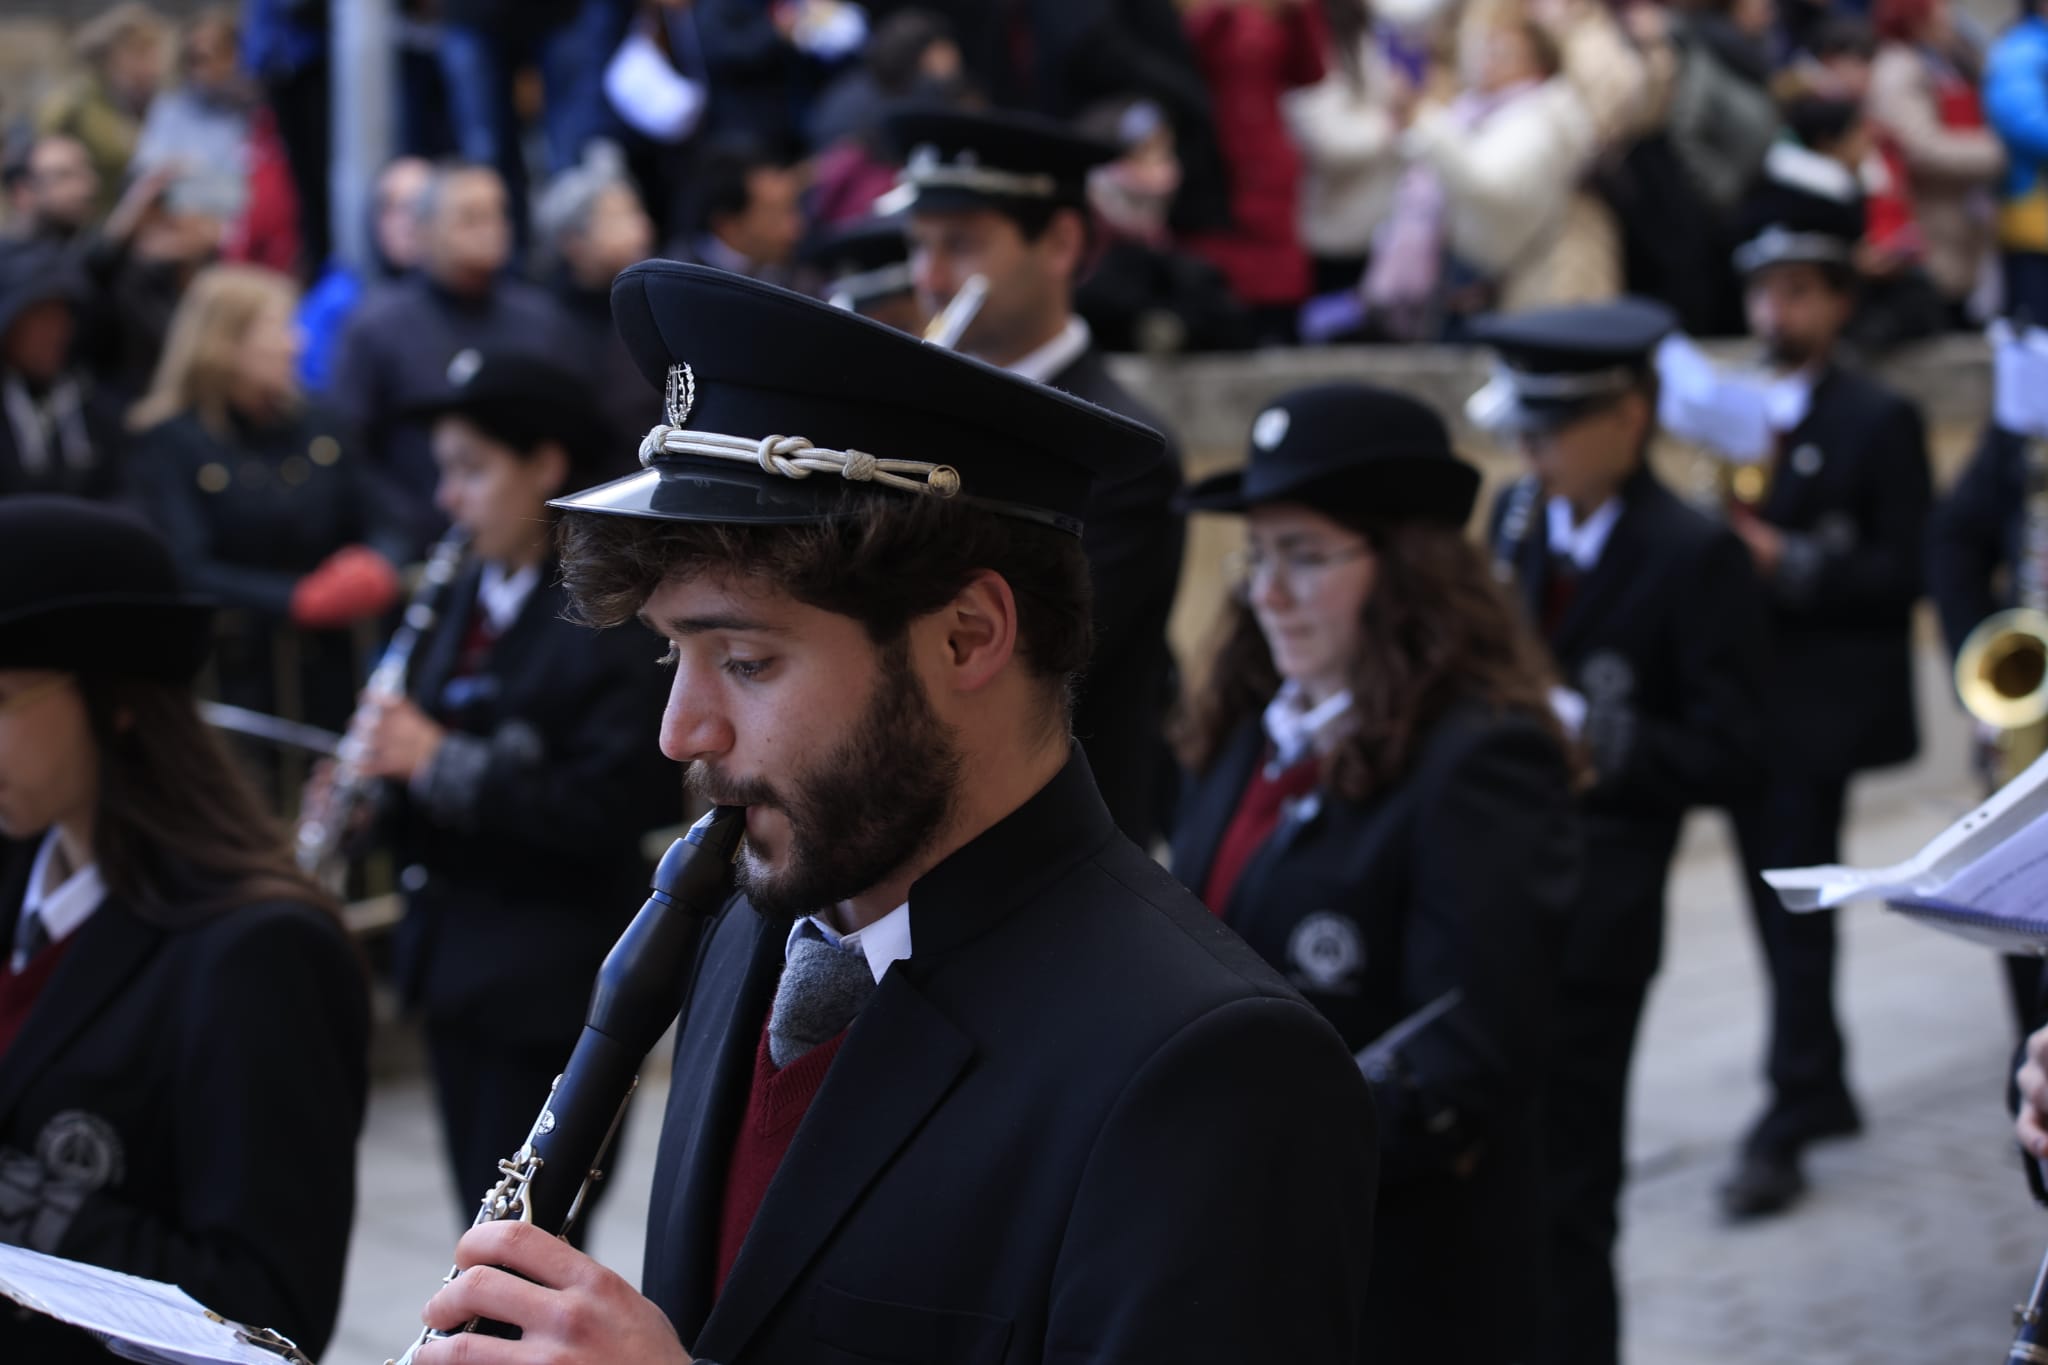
x: 1985, y: 877
x: 1698, y: 401
x: 141, y: 1319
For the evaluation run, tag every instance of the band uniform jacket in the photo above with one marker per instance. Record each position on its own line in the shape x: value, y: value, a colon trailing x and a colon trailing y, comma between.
x: 1852, y: 491
x: 1666, y: 638
x: 1459, y: 876
x: 522, y: 851
x: 1978, y: 532
x: 1133, y: 538
x: 188, y: 1101
x: 1082, y: 1122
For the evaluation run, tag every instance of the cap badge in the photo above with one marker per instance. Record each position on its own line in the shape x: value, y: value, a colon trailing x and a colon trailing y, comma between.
x: 682, y: 394
x: 1270, y: 429
x: 464, y: 366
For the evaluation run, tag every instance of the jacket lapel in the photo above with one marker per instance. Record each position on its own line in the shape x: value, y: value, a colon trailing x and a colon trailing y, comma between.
x: 714, y: 1056
x: 108, y: 950
x: 1218, y: 795
x: 896, y: 1065
x: 438, y: 652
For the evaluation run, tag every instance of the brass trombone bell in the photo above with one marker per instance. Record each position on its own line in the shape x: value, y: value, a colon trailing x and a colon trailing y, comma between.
x: 2002, y: 669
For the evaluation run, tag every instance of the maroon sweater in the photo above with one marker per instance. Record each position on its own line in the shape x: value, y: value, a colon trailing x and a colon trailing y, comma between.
x: 776, y: 1104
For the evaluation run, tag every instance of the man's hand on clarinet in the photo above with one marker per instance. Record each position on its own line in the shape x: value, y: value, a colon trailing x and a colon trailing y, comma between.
x: 2032, y: 1126
x: 567, y: 1307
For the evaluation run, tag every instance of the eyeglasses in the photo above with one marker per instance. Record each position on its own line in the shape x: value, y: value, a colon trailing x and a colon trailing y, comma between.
x: 1299, y: 570
x: 28, y: 697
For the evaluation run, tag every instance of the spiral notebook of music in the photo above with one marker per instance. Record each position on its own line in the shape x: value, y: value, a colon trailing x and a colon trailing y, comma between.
x: 1984, y: 878
x: 137, y: 1319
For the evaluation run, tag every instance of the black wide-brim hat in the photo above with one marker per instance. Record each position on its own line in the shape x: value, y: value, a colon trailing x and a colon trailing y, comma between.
x: 782, y: 407
x: 521, y: 399
x: 1352, y: 451
x: 88, y: 589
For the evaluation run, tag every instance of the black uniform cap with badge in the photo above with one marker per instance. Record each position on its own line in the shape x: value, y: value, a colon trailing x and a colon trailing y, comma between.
x: 1356, y: 453
x: 86, y: 588
x: 523, y: 400
x: 781, y: 408
x: 1553, y: 366
x: 1807, y: 209
x: 1018, y: 164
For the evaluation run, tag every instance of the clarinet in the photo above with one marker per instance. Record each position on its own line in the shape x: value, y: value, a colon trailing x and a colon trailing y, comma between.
x: 320, y: 832
x: 2030, y: 1342
x: 549, y: 1179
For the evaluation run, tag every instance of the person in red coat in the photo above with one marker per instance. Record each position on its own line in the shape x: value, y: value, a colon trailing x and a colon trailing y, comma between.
x: 1251, y: 52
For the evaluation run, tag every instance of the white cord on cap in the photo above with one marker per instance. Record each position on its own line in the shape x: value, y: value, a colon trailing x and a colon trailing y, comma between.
x: 793, y: 457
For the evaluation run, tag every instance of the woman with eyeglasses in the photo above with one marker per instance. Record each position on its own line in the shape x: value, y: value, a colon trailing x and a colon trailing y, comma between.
x: 1380, y: 803
x: 183, y: 1022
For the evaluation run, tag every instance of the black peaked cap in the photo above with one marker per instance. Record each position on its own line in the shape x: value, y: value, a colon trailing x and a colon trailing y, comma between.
x: 1356, y: 452
x: 765, y: 362
x: 965, y: 159
x: 1557, y: 363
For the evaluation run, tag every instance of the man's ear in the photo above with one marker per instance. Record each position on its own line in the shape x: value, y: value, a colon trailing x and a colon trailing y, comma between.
x: 551, y: 465
x: 1065, y: 243
x: 980, y: 632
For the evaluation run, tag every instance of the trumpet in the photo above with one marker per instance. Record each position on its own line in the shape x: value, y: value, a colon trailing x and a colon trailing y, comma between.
x: 2002, y: 669
x: 548, y: 1180
x: 317, y: 842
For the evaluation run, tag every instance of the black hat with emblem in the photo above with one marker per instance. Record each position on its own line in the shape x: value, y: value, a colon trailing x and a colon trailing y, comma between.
x: 1357, y: 452
x: 522, y: 399
x: 86, y: 588
x: 782, y: 407
x: 956, y: 159
x: 864, y: 262
x: 1553, y: 365
x: 1807, y: 209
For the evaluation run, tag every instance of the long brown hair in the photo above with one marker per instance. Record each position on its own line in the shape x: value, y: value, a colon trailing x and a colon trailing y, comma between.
x: 179, y: 833
x: 1438, y: 630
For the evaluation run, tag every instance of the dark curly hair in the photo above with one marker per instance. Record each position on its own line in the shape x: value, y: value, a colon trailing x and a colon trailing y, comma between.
x: 882, y: 559
x: 1438, y: 630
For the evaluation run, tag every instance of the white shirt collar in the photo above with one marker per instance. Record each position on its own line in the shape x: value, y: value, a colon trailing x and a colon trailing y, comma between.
x: 1583, y: 543
x: 64, y: 907
x: 1293, y: 727
x: 1063, y: 350
x: 885, y: 941
x: 502, y: 595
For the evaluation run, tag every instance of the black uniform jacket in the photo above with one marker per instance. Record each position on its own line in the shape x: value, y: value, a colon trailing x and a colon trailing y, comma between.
x: 94, y: 470
x: 207, y: 1084
x: 1977, y: 534
x: 1133, y: 540
x: 1852, y: 491
x: 1666, y: 639
x: 1460, y: 876
x: 252, y: 509
x: 523, y: 851
x: 1082, y: 1122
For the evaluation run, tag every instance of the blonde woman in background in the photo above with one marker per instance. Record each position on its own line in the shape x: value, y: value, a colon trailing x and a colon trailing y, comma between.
x: 269, y: 509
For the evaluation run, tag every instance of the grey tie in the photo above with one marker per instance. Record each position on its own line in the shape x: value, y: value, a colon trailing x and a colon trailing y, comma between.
x: 822, y: 988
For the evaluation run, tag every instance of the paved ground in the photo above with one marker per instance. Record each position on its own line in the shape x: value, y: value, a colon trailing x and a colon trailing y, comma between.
x: 1911, y: 1250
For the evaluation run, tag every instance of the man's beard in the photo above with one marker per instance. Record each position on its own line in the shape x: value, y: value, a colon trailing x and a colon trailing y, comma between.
x: 859, y: 814
x: 1787, y: 353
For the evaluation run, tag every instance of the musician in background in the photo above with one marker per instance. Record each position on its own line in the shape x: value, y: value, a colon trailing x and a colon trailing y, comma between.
x: 1005, y: 196
x: 183, y: 1023
x: 1655, y: 623
x: 265, y: 498
x: 1380, y: 804
x: 1837, y: 535
x: 524, y: 780
x: 1978, y: 564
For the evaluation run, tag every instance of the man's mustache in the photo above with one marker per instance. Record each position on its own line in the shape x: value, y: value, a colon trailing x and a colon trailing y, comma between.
x: 709, y: 785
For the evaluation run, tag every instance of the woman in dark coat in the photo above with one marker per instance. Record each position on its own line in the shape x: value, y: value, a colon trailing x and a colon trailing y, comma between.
x: 1380, y: 804
x: 269, y: 508
x: 183, y: 1023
